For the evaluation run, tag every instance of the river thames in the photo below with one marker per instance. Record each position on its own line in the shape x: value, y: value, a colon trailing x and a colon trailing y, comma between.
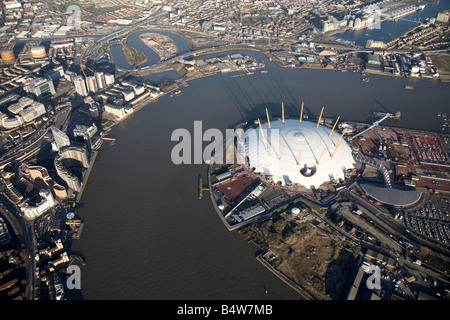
x: 389, y: 30
x: 148, y: 236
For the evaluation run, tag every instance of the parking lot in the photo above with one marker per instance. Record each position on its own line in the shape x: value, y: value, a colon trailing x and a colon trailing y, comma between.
x: 431, y: 220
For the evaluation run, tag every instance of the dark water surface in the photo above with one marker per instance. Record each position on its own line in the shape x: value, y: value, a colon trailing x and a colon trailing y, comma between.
x: 148, y: 236
x: 389, y: 30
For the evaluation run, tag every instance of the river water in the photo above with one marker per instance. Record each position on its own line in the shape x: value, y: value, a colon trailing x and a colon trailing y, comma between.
x: 390, y: 30
x: 152, y: 57
x: 148, y: 236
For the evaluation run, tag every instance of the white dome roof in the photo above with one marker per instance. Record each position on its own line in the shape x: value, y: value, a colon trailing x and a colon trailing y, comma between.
x: 280, y: 157
x: 295, y: 210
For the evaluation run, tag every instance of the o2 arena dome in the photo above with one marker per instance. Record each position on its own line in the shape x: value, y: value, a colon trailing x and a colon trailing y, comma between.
x: 293, y: 151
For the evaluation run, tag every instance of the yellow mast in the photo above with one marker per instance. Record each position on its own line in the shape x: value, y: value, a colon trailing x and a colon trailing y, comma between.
x: 262, y: 133
x: 337, y: 146
x: 278, y: 149
x: 319, y: 118
x: 268, y: 120
x: 341, y: 137
x: 321, y: 155
x: 334, y: 125
x: 301, y: 114
x: 298, y: 160
x: 282, y: 111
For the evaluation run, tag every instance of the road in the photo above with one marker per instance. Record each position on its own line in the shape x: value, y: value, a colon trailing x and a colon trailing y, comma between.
x: 92, y: 50
x: 30, y: 245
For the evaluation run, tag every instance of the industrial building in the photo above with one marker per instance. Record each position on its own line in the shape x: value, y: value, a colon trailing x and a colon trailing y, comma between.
x: 38, y: 52
x: 7, y: 54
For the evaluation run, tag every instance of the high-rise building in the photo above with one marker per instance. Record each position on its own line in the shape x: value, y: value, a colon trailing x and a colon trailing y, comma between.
x: 56, y: 73
x: 80, y: 86
x: 40, y: 87
x: 100, y: 79
x: 61, y: 139
x: 109, y: 79
x: 91, y: 84
x: 68, y: 158
x: 70, y: 75
x: 88, y: 135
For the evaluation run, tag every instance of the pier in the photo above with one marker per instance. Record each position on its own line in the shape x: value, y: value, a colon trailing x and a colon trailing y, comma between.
x: 78, y: 257
x: 201, y: 188
x: 113, y: 140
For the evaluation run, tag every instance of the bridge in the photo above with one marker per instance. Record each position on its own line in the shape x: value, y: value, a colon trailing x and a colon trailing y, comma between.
x: 377, y: 123
x: 413, y: 21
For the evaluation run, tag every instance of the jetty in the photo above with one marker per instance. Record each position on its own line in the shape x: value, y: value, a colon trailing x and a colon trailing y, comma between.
x: 201, y: 187
x: 113, y: 140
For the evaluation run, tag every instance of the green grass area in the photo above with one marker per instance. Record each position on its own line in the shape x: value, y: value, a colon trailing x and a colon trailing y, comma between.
x: 98, y: 11
x: 71, y: 3
x: 182, y: 71
x: 443, y: 61
x: 442, y: 64
x: 107, y: 123
x: 439, y: 262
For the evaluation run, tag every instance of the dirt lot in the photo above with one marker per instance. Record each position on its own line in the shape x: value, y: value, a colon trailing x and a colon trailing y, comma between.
x: 372, y: 174
x: 307, y: 251
x: 401, y: 153
x: 442, y: 63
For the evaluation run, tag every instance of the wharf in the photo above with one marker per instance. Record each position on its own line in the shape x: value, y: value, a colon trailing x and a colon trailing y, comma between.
x: 77, y: 231
x: 74, y: 257
x: 303, y: 293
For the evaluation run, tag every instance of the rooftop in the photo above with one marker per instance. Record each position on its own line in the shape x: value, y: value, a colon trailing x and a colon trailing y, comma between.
x: 323, y: 156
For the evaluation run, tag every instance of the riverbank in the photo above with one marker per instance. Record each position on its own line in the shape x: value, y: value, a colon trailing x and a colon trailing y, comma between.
x: 94, y: 154
x: 303, y: 293
x: 169, y: 62
x: 143, y: 221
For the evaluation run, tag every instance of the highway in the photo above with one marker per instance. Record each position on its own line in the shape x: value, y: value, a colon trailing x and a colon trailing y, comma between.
x: 92, y: 50
x: 33, y: 143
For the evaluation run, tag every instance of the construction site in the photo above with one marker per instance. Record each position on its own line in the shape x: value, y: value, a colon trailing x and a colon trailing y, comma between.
x: 300, y: 248
x: 164, y: 47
